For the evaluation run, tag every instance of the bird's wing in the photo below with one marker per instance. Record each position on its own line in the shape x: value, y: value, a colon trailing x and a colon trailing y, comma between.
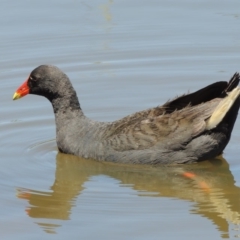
x: 169, y: 130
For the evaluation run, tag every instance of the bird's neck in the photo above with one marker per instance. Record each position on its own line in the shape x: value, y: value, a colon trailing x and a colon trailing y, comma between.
x: 66, y: 107
x: 66, y: 102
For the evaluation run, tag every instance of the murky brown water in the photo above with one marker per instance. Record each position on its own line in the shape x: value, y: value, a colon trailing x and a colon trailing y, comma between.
x: 122, y: 56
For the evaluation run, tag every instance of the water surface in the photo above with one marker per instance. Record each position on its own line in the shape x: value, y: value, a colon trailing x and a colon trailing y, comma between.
x: 122, y: 57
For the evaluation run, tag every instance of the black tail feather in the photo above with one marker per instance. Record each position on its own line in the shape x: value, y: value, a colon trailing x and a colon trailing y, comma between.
x: 215, y: 90
x: 233, y: 82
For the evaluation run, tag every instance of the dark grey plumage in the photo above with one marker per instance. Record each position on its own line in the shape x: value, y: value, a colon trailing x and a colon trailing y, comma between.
x: 190, y: 128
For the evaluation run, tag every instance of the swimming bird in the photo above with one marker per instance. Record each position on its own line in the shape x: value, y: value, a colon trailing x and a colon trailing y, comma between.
x: 190, y: 128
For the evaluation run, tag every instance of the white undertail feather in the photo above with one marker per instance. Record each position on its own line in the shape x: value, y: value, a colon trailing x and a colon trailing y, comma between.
x: 222, y: 109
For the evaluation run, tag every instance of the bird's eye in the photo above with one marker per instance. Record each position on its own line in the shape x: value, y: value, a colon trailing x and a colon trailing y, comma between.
x: 32, y: 78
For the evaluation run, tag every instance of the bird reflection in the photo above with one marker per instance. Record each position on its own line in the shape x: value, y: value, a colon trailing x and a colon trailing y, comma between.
x: 209, y: 184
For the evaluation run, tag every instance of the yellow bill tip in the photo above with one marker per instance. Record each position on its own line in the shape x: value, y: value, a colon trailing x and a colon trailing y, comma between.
x: 16, y: 96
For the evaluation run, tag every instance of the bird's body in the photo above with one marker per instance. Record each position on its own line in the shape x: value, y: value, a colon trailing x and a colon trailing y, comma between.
x: 191, y: 128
